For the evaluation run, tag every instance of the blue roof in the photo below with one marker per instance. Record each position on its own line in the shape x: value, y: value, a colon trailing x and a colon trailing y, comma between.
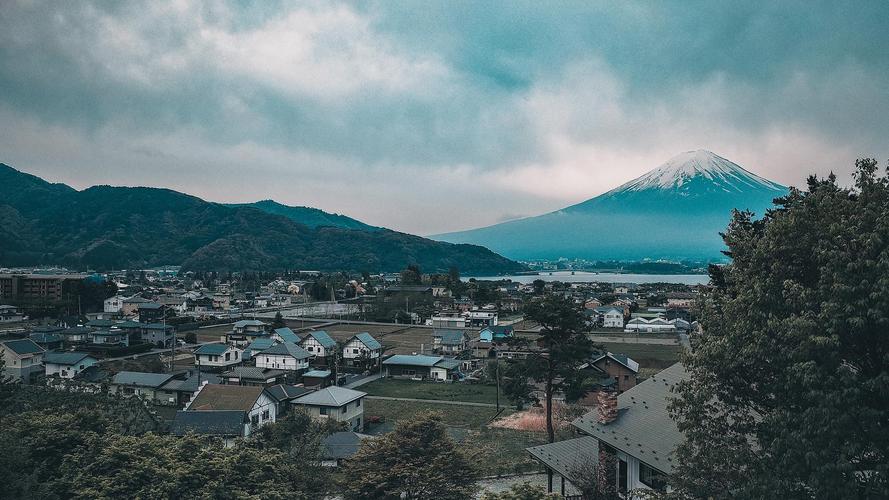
x: 65, y: 358
x: 260, y: 344
x: 23, y: 346
x: 368, y: 340
x: 317, y: 373
x: 413, y: 360
x: 215, y: 349
x: 45, y: 338
x: 287, y: 335
x: 450, y: 337
x: 100, y: 323
x: 289, y: 348
x: 322, y: 337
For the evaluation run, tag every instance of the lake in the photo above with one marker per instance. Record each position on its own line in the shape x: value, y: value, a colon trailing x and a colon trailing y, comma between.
x: 586, y: 277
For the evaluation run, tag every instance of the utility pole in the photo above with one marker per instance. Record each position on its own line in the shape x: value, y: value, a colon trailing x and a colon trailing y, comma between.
x: 497, y: 376
x: 172, y: 344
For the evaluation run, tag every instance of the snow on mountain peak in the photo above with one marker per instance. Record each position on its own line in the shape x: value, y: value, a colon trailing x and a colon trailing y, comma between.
x: 678, y: 171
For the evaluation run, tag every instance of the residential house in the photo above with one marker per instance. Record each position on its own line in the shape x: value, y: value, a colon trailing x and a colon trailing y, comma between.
x: 10, y: 314
x: 255, y: 406
x: 610, y: 316
x: 684, y: 300
x: 252, y: 375
x: 158, y: 334
x: 362, y: 348
x: 418, y: 366
x: 283, y: 394
x: 245, y: 331
x: 319, y: 343
x: 284, y: 356
x: 130, y: 306
x: 447, y: 321
x: 67, y: 364
x: 257, y: 346
x: 216, y: 356
x: 335, y: 403
x: 23, y: 358
x: 449, y: 341
x: 285, y: 335
x: 113, y: 305
x: 149, y: 386
x: 620, y: 367
x: 341, y: 446
x: 496, y: 333
x: 114, y: 337
x: 48, y: 341
x: 632, y: 430
x: 317, y: 379
x: 654, y: 325
x: 479, y: 318
x: 152, y: 312
x: 184, y: 389
x: 226, y: 425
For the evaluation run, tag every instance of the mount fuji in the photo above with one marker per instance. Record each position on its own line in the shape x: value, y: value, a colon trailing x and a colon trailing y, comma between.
x: 675, y: 211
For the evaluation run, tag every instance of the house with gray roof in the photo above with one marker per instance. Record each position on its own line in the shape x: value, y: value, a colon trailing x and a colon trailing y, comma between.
x: 284, y: 356
x: 217, y: 356
x: 10, y: 314
x: 362, y: 348
x: 48, y: 341
x: 283, y: 394
x: 255, y: 404
x: 341, y: 446
x: 335, y: 403
x: 450, y: 342
x: 418, y: 366
x: 633, y: 430
x: 257, y: 346
x: 252, y: 375
x: 23, y: 359
x: 67, y: 364
x: 245, y: 331
x: 227, y: 425
x: 149, y: 386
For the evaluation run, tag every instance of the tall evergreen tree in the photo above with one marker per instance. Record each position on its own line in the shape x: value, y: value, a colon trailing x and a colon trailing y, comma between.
x: 788, y: 390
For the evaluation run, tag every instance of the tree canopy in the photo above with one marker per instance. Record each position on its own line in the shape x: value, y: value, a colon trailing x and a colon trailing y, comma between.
x: 788, y: 392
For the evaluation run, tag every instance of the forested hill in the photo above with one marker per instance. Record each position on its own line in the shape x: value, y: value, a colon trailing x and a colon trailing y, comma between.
x: 106, y: 227
x: 312, y: 217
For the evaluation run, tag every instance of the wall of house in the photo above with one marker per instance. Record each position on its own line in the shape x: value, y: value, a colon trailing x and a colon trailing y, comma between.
x: 407, y: 371
x: 65, y: 371
x: 354, y: 414
x: 280, y: 362
x: 314, y: 347
x: 349, y: 350
x: 263, y: 404
x: 438, y: 373
x: 211, y: 360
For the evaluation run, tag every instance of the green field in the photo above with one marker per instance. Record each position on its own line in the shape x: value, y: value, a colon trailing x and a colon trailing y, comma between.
x: 500, y: 451
x: 647, y: 355
x: 470, y: 393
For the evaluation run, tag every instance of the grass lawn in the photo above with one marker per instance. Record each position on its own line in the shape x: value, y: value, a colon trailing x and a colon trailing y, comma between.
x: 502, y: 451
x: 456, y: 391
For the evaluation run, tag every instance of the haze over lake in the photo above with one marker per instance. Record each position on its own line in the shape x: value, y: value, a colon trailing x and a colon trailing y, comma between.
x: 586, y: 277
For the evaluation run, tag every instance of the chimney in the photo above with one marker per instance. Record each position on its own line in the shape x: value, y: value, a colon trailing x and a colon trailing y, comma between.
x: 607, y: 401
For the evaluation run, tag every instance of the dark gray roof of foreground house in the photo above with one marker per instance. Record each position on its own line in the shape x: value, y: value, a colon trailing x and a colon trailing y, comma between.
x: 142, y: 379
x: 570, y: 457
x: 288, y: 349
x: 283, y: 392
x: 342, y: 444
x: 214, y: 423
x: 643, y: 427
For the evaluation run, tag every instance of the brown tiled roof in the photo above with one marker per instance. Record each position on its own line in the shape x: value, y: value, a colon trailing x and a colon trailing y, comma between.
x: 226, y: 397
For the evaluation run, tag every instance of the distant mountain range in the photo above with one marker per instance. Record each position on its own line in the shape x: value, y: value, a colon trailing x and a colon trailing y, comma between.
x: 106, y: 227
x: 675, y: 211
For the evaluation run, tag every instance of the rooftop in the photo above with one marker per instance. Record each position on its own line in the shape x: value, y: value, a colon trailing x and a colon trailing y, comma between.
x: 290, y: 349
x: 23, y: 346
x: 331, y: 396
x: 142, y: 379
x: 322, y: 338
x: 368, y: 340
x: 413, y: 360
x: 212, y: 422
x: 65, y: 358
x: 226, y: 397
x: 215, y: 349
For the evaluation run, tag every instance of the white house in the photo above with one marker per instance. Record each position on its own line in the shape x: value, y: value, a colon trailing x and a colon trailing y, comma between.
x: 611, y: 317
x: 9, y: 314
x: 362, y: 346
x: 67, y: 364
x: 318, y: 343
x: 217, y: 355
x: 335, y: 403
x: 245, y: 331
x: 113, y: 305
x: 284, y: 356
x: 654, y: 325
x: 681, y: 299
x: 483, y: 318
x: 23, y: 358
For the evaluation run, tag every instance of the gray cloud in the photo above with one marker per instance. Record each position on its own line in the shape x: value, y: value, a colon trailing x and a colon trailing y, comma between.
x: 429, y: 117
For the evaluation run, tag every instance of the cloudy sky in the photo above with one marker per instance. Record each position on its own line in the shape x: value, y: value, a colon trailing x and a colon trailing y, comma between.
x: 429, y: 117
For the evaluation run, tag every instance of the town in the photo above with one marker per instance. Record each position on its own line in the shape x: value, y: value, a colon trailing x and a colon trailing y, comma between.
x: 224, y: 356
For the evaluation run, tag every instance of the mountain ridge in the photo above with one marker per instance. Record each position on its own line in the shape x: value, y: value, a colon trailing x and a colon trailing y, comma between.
x: 106, y: 227
x: 309, y: 216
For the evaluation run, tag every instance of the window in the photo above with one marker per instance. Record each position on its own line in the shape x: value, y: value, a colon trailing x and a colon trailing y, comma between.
x: 228, y: 356
x: 254, y: 419
x: 309, y: 348
x: 344, y: 409
x: 626, y: 377
x: 236, y: 354
x: 355, y: 351
x: 621, y: 475
x: 651, y: 477
x: 266, y: 360
x: 265, y: 415
x: 358, y: 404
x: 322, y: 410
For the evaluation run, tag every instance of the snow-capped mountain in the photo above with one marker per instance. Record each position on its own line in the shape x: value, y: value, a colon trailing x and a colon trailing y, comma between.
x: 679, y: 172
x: 674, y: 211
